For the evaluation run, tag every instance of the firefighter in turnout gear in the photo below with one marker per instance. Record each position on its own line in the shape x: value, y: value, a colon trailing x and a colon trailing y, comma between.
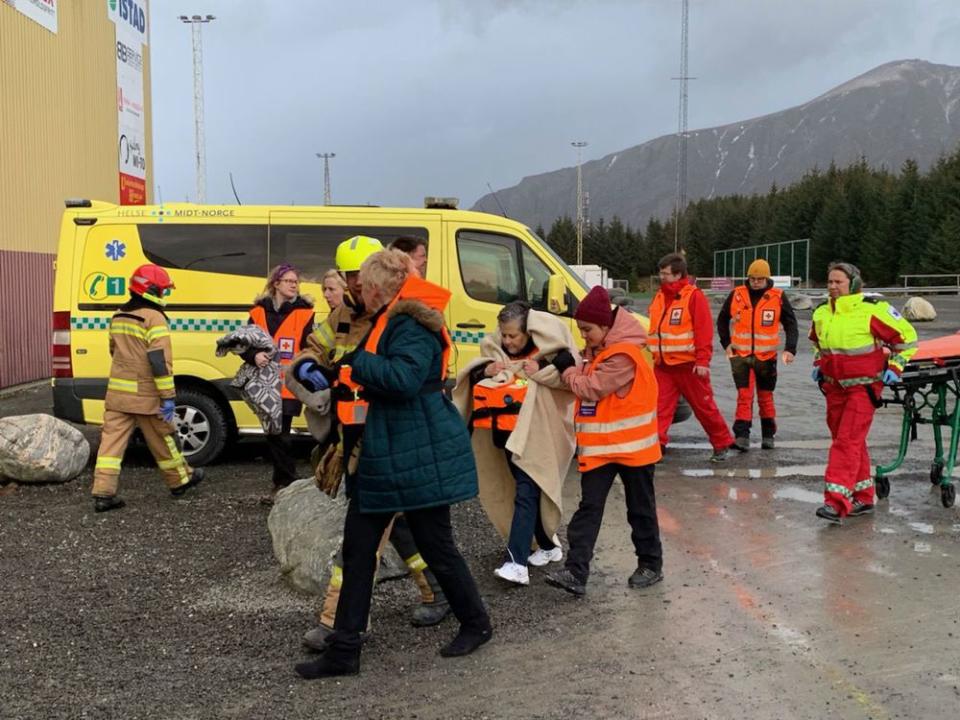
x: 749, y: 328
x: 849, y: 333
x: 140, y: 391
x: 339, y: 335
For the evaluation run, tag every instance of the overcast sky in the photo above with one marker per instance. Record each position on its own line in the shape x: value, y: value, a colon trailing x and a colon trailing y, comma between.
x: 440, y: 97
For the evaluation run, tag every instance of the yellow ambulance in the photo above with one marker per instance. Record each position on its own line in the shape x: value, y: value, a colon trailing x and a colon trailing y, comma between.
x: 219, y: 257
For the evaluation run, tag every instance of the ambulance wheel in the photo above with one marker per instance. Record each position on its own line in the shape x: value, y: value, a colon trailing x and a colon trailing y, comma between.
x: 882, y: 485
x: 948, y: 495
x: 936, y: 473
x: 202, y: 428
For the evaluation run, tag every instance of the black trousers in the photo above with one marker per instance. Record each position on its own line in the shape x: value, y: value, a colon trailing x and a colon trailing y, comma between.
x: 281, y: 455
x: 433, y: 535
x: 641, y: 514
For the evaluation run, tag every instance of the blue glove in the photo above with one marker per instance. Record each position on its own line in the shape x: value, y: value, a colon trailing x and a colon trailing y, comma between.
x: 816, y: 375
x: 310, y: 375
x: 890, y: 377
x: 167, y: 409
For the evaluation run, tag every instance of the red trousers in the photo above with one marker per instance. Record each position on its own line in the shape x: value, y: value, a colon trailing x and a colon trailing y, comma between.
x: 752, y: 374
x: 849, y: 474
x: 676, y: 380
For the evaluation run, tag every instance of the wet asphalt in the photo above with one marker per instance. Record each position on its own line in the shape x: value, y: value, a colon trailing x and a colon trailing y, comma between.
x: 176, y: 610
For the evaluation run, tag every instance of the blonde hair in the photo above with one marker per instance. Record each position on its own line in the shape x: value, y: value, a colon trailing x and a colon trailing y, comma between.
x: 386, y: 270
x: 334, y: 274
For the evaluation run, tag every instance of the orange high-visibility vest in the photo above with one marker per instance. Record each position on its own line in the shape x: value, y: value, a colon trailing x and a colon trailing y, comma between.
x: 498, y: 407
x: 755, y: 330
x: 670, y: 337
x: 287, y: 338
x: 353, y: 411
x: 620, y: 429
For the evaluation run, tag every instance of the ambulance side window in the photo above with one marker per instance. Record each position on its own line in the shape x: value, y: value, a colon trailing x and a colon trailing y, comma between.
x: 226, y: 249
x: 313, y: 248
x: 488, y: 266
x: 536, y: 275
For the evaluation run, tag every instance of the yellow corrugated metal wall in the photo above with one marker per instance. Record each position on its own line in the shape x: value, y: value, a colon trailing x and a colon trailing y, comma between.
x: 58, y: 139
x: 58, y: 119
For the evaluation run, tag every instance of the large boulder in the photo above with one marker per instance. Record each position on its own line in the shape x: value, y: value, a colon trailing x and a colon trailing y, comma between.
x: 306, y: 528
x: 916, y: 309
x: 41, y: 448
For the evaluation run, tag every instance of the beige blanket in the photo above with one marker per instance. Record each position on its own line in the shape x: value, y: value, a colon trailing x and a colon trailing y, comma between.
x: 543, y: 442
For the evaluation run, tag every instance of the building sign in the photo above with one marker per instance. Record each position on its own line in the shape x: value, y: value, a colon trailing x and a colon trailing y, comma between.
x: 43, y: 12
x: 129, y: 18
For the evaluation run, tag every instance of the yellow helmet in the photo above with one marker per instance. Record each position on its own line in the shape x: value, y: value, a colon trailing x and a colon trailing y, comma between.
x: 353, y: 251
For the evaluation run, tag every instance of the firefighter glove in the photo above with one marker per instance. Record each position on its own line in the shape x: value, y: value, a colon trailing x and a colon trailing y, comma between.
x: 329, y: 471
x: 167, y: 409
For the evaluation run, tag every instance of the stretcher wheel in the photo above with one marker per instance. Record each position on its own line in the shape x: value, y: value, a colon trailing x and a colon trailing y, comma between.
x: 948, y: 495
x: 882, y: 486
x: 936, y: 473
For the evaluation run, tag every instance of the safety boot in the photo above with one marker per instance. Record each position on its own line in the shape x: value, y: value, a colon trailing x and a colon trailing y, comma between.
x: 433, y: 607
x: 829, y: 513
x: 196, y: 477
x: 103, y: 503
x: 333, y: 663
x: 466, y: 641
x: 644, y: 577
x: 719, y: 456
x: 860, y: 508
x: 742, y: 443
x: 767, y: 443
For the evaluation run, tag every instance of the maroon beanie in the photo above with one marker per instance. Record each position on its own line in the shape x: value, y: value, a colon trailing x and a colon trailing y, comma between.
x: 595, y: 308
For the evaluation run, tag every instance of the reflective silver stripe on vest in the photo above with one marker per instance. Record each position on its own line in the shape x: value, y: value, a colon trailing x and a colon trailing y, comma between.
x: 676, y: 348
x: 616, y: 425
x: 673, y: 336
x: 862, y: 350
x: 619, y: 448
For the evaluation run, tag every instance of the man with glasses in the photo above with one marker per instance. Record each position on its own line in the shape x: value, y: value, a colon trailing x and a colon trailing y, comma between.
x: 749, y: 328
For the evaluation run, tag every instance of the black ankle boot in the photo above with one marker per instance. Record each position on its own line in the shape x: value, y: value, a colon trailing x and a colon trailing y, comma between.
x: 196, y: 477
x: 466, y: 642
x: 332, y: 663
x: 105, y: 503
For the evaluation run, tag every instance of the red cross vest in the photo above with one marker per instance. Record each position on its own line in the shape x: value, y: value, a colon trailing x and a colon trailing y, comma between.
x: 670, y: 336
x: 287, y: 338
x: 755, y: 330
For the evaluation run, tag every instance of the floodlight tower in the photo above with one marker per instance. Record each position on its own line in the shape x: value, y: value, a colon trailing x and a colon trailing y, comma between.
x: 196, y: 22
x: 579, y: 145
x: 682, y: 135
x: 326, y: 175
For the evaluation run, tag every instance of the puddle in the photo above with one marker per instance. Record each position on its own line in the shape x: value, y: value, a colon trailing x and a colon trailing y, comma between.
x: 924, y: 528
x: 778, y: 471
x: 792, y: 492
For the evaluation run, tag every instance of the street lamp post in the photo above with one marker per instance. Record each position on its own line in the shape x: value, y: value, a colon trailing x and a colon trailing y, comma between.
x: 196, y: 22
x: 326, y: 175
x: 579, y: 145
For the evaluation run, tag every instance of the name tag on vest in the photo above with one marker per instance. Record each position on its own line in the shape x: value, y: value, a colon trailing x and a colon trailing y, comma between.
x: 587, y: 409
x: 286, y: 348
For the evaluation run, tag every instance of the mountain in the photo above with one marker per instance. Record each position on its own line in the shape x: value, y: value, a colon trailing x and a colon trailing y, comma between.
x: 904, y: 109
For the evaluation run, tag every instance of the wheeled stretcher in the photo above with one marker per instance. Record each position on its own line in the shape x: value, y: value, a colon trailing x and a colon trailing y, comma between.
x: 929, y: 391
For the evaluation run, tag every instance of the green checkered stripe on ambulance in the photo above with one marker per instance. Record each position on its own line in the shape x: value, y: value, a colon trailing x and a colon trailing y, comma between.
x: 466, y: 337
x: 102, y: 322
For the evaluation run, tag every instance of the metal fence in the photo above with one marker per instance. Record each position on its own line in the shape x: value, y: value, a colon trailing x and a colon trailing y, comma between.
x: 786, y: 258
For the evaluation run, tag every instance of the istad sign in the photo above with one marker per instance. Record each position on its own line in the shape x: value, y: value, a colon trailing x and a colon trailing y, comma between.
x: 130, y: 14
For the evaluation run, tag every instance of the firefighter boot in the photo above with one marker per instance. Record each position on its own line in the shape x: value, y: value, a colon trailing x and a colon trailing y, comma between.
x: 433, y: 606
x: 103, y: 503
x: 741, y: 435
x: 196, y: 477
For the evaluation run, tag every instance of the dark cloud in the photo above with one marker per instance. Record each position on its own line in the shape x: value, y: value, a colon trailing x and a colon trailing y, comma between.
x: 443, y: 96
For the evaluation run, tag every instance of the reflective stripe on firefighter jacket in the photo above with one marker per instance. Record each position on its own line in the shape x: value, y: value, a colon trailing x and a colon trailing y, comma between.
x: 620, y: 429
x: 755, y: 330
x: 849, y: 334
x: 351, y: 407
x: 497, y: 407
x: 670, y: 336
x: 287, y: 338
x: 141, y: 368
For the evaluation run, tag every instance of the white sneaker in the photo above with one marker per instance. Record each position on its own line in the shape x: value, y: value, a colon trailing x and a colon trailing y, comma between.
x: 541, y: 557
x: 514, y: 573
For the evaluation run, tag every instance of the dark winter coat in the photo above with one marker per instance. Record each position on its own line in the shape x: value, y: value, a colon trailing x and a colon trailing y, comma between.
x: 416, y: 449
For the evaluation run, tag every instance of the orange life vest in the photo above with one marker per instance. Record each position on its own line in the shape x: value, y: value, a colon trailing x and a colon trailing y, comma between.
x: 755, y: 330
x: 497, y: 408
x: 670, y: 337
x: 620, y: 429
x: 287, y: 338
x: 352, y: 410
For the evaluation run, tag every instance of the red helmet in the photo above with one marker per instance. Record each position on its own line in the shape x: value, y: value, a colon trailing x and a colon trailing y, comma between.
x: 152, y: 283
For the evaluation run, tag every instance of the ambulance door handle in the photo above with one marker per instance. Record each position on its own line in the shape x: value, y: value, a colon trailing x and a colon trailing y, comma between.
x: 472, y: 325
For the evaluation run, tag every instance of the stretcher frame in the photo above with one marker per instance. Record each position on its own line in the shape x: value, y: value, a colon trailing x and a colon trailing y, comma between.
x: 926, y: 390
